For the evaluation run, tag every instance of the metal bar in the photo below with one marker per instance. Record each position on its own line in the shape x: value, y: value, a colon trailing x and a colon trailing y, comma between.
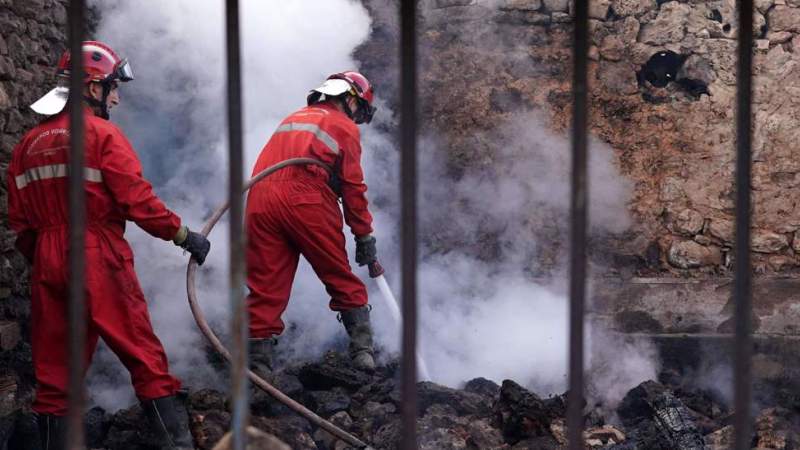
x: 408, y: 218
x: 77, y: 231
x: 742, y: 282
x: 239, y: 331
x: 578, y: 197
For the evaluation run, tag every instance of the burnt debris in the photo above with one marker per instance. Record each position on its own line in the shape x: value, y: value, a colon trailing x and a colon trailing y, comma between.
x: 482, y: 415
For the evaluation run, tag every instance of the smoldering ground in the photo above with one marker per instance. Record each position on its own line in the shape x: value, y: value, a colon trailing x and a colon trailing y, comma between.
x: 478, y: 316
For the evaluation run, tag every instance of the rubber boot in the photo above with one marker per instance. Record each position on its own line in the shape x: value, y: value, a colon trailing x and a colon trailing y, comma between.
x: 356, y: 322
x: 169, y: 420
x: 261, y: 356
x: 52, y: 431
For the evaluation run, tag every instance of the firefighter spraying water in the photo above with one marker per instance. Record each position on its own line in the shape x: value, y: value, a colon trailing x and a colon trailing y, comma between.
x: 295, y: 212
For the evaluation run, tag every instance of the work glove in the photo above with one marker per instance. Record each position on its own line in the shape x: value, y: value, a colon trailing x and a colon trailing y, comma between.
x: 366, y: 252
x: 194, y: 243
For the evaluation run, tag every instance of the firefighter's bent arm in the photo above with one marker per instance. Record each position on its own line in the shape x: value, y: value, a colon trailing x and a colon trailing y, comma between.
x: 354, y: 199
x: 122, y: 174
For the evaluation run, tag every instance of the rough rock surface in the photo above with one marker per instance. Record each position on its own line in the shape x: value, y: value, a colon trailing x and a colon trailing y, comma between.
x: 668, y: 119
x: 481, y: 415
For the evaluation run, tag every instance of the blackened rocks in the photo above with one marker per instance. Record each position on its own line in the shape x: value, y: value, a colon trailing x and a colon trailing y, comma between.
x: 96, y: 423
x: 463, y: 403
x: 334, y: 371
x: 659, y: 419
x: 482, y: 386
x: 520, y: 414
x: 326, y: 403
x: 293, y: 430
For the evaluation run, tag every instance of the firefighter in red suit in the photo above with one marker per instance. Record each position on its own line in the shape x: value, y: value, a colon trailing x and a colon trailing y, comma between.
x: 115, y: 193
x: 295, y: 212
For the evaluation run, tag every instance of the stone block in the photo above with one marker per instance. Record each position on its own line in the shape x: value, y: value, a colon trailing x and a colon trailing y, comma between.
x: 634, y: 8
x: 7, y: 71
x: 721, y: 229
x: 618, y: 77
x: 556, y: 5
x: 782, y: 18
x: 9, y: 335
x: 765, y: 241
x: 669, y: 25
x: 612, y: 48
x: 690, y: 254
x: 522, y: 5
x: 779, y: 37
x: 687, y: 222
x: 5, y: 100
x: 598, y: 9
x: 257, y: 439
x: 561, y: 17
x: 448, y: 3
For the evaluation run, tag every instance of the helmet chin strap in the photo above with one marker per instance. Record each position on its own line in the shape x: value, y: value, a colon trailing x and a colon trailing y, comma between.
x: 363, y: 112
x: 102, y: 105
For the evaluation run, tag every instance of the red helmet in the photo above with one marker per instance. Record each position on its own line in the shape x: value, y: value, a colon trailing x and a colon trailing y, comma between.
x: 100, y: 64
x: 358, y: 82
x: 348, y: 82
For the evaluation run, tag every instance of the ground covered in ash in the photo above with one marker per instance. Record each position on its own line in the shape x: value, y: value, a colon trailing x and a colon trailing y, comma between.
x: 481, y: 415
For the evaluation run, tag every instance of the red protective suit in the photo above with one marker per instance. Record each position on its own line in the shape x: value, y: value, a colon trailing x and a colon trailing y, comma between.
x: 116, y: 308
x: 294, y: 211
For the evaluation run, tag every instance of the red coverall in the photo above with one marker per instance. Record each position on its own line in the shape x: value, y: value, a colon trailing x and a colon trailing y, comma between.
x: 116, y: 308
x: 294, y: 211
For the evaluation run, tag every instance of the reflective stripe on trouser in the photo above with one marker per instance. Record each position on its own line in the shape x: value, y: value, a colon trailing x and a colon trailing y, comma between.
x: 285, y: 220
x: 116, y: 312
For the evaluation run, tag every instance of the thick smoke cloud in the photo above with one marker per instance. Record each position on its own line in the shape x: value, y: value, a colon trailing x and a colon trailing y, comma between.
x: 477, y: 318
x: 175, y: 115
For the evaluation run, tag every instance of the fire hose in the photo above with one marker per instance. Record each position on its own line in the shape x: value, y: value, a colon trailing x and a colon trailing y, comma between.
x: 217, y: 344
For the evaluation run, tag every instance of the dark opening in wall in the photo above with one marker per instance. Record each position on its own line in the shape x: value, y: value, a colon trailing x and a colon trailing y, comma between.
x: 665, y: 67
x: 661, y: 68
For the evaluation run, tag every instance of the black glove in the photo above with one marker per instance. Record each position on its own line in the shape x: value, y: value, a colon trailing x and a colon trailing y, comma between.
x: 366, y: 252
x: 194, y: 243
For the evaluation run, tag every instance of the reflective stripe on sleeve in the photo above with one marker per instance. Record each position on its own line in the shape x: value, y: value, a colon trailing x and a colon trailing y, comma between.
x: 318, y: 132
x: 54, y: 171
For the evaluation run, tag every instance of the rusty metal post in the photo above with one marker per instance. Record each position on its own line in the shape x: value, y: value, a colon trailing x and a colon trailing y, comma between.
x: 408, y: 218
x: 239, y: 331
x: 742, y: 289
x: 77, y: 231
x: 578, y: 212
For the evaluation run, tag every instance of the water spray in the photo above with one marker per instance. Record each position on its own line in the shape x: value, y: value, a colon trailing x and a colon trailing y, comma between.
x: 376, y: 272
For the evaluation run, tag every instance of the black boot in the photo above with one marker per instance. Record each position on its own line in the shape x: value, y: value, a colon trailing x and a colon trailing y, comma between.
x: 169, y: 420
x: 261, y: 355
x: 52, y: 431
x: 356, y: 322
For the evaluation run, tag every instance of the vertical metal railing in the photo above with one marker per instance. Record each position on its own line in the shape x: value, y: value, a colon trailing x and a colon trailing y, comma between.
x: 77, y: 231
x: 578, y: 212
x: 408, y: 218
x: 743, y: 342
x: 239, y: 329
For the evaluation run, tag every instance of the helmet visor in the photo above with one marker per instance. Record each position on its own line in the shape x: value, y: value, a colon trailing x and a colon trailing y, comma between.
x: 123, y: 72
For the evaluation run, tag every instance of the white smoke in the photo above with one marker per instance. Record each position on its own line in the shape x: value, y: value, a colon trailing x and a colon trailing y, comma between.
x: 175, y: 115
x: 477, y: 318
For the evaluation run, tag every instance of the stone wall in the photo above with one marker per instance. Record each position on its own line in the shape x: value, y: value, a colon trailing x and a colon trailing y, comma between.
x: 662, y: 96
x: 32, y: 37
